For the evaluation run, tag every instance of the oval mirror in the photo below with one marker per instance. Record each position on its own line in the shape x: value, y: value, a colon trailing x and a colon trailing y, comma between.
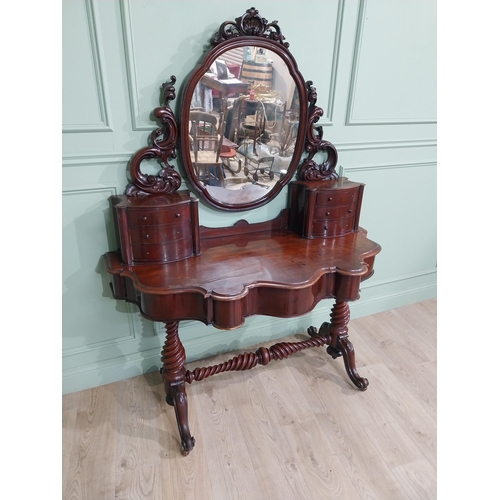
x: 243, y: 121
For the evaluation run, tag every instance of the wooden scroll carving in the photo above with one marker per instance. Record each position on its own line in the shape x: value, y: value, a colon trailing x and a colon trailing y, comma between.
x: 163, y: 142
x: 249, y: 24
x: 310, y: 170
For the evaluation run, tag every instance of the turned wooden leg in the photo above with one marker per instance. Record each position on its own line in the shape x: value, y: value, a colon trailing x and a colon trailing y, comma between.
x: 173, y: 373
x: 339, y: 343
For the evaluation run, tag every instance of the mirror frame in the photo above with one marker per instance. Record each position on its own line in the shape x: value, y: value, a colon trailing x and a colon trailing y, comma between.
x: 249, y: 29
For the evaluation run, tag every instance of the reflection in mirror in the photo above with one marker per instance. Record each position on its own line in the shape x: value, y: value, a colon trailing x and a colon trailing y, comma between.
x: 244, y: 120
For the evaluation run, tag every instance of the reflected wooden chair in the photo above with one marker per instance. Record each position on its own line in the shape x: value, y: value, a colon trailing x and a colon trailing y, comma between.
x: 206, y: 143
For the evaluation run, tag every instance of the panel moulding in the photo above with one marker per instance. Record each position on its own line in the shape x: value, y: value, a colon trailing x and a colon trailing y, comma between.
x: 400, y: 278
x: 412, y: 143
x: 99, y: 72
x: 369, y: 168
x: 349, y: 120
x: 132, y: 333
x: 95, y: 159
x: 128, y: 39
x: 335, y: 63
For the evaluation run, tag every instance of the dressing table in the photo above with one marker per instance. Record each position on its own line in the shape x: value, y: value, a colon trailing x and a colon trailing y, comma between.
x: 173, y: 269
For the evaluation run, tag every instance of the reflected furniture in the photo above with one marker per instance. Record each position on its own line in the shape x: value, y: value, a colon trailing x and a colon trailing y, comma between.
x: 262, y: 165
x: 228, y: 155
x: 225, y: 88
x: 175, y: 269
x: 206, y: 142
x: 252, y: 118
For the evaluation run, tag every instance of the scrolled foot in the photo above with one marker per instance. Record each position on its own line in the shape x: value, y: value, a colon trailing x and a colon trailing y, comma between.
x: 361, y: 383
x: 187, y: 446
x: 179, y: 398
x: 345, y: 347
x: 333, y: 352
x: 312, y: 331
x: 324, y: 330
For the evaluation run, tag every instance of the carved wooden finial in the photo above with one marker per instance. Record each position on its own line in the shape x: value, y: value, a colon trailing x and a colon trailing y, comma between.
x: 249, y: 24
x: 309, y: 170
x: 163, y: 142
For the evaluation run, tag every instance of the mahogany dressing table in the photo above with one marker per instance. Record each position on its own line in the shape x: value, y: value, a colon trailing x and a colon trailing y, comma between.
x: 173, y: 269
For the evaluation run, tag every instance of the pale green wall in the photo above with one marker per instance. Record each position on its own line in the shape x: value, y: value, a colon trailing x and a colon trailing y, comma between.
x: 373, y: 63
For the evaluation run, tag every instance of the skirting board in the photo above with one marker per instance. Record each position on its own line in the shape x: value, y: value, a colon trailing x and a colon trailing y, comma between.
x: 258, y: 329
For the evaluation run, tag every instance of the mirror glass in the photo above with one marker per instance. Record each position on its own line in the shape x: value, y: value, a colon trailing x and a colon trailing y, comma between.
x: 243, y: 125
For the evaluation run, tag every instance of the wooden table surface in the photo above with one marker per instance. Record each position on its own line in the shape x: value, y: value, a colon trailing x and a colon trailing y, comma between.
x: 275, y: 272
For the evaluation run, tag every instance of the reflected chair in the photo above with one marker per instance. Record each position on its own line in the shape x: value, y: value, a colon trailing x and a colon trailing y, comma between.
x: 206, y: 143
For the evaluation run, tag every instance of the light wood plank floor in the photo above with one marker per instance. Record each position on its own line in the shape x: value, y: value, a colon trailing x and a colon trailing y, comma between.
x: 295, y: 429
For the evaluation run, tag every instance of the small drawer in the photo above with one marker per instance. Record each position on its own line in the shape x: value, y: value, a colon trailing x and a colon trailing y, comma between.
x: 343, y: 197
x: 327, y: 213
x: 337, y: 227
x: 141, y: 217
x: 167, y: 252
x: 159, y: 234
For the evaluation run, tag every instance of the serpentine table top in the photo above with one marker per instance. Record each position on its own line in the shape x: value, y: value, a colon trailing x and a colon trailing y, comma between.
x: 272, y: 272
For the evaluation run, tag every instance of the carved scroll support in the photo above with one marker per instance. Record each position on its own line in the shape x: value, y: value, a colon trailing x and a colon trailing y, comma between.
x: 309, y: 170
x: 173, y: 374
x: 163, y: 141
x: 339, y: 344
x: 262, y: 356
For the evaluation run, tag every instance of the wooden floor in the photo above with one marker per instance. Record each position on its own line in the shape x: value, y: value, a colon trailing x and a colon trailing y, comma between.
x: 295, y: 429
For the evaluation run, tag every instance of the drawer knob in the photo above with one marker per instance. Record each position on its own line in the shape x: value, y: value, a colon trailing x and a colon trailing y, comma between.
x: 330, y: 199
x: 325, y: 228
x: 145, y: 217
x: 146, y: 236
x: 177, y: 215
x: 349, y: 211
x: 327, y: 213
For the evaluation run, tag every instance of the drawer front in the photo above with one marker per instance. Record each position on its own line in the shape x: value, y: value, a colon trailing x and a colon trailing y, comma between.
x: 328, y: 213
x: 331, y: 198
x: 337, y: 227
x: 167, y: 252
x: 177, y: 214
x: 159, y: 234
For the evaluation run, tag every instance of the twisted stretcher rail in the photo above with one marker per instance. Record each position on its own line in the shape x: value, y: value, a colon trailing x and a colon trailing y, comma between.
x: 262, y: 356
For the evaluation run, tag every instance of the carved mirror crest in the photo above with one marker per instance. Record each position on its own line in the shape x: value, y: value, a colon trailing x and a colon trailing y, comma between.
x: 247, y: 117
